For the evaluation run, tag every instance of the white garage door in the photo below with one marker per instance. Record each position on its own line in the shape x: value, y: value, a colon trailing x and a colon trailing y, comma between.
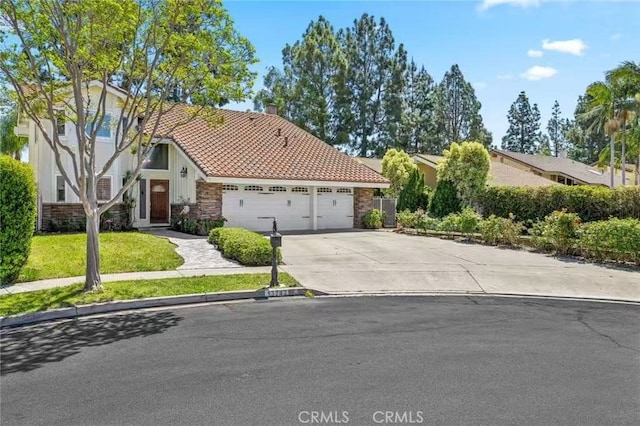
x: 242, y: 205
x: 335, y: 208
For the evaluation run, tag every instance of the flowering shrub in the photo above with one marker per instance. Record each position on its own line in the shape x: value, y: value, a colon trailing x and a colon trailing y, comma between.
x: 498, y: 230
x: 558, y: 231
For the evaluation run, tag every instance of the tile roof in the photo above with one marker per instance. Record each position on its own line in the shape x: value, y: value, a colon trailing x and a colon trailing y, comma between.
x: 574, y: 169
x: 503, y: 174
x: 260, y: 146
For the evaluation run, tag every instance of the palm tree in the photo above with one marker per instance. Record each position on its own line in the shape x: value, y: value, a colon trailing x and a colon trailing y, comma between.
x: 625, y: 81
x: 601, y: 115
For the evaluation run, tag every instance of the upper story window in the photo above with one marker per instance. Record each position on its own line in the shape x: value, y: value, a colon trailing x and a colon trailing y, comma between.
x: 60, y: 189
x: 158, y: 158
x: 105, y: 129
x: 60, y: 123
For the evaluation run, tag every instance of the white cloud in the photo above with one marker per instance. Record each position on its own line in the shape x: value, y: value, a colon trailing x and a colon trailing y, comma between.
x: 615, y: 37
x: 574, y: 46
x: 539, y: 73
x: 505, y: 77
x: 487, y: 4
x: 535, y: 53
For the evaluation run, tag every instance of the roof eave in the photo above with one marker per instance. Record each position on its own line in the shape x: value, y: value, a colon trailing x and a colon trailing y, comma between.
x: 300, y: 182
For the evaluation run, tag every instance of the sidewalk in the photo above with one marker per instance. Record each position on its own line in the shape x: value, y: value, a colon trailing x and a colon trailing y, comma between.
x: 131, y: 276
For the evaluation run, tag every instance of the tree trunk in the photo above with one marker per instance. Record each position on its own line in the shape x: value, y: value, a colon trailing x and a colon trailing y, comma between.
x: 623, y: 155
x: 92, y: 279
x: 612, y: 161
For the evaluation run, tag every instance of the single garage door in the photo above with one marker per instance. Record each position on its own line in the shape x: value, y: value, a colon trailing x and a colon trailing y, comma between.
x: 242, y: 205
x: 335, y: 208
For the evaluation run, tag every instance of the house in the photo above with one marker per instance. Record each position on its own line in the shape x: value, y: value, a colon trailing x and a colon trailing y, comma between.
x: 557, y: 169
x: 251, y: 167
x: 499, y: 173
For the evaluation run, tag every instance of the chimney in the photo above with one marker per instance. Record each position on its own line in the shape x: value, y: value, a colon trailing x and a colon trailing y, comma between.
x: 271, y: 109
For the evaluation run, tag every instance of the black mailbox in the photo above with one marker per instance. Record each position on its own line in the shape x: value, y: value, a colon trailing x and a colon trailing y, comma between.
x: 276, y: 240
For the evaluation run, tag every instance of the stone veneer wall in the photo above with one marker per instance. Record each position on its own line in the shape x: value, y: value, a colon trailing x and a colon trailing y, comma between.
x: 208, y: 200
x: 362, y: 204
x: 69, y: 212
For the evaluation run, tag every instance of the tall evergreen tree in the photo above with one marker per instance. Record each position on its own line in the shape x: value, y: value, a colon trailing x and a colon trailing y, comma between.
x: 523, y: 134
x: 457, y: 109
x: 418, y: 129
x: 585, y: 141
x: 556, y: 131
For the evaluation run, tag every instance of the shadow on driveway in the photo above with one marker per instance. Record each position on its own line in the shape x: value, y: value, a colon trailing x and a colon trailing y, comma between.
x: 28, y: 348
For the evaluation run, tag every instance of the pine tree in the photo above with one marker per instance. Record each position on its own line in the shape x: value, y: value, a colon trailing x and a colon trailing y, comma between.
x: 523, y: 134
x: 556, y: 130
x: 417, y: 129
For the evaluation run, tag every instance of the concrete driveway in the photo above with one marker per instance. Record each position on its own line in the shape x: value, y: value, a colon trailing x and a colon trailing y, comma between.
x: 382, y: 262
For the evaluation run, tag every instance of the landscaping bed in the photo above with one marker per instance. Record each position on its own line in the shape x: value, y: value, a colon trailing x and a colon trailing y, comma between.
x: 42, y: 300
x: 64, y: 255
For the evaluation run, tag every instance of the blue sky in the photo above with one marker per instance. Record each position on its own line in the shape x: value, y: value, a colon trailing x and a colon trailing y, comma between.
x: 550, y: 49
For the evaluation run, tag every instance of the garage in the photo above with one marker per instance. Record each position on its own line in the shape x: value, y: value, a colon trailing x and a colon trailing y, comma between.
x: 246, y: 205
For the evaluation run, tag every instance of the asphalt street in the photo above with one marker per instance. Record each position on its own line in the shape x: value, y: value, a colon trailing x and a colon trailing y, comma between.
x: 365, y: 360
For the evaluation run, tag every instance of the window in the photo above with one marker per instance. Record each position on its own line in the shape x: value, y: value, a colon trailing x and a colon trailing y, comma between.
x: 123, y: 124
x: 60, y: 189
x: 253, y: 188
x: 343, y: 190
x: 60, y: 123
x: 325, y: 190
x: 105, y: 129
x: 300, y: 189
x: 103, y: 188
x: 229, y: 187
x: 158, y: 158
x: 277, y: 189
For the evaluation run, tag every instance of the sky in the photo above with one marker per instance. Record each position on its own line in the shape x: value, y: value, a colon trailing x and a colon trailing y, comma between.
x: 551, y: 49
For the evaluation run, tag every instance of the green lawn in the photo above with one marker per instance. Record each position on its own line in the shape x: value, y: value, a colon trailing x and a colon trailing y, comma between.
x: 64, y: 255
x: 61, y: 297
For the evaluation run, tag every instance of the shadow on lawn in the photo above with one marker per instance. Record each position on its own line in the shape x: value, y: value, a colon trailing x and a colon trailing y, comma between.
x: 28, y: 348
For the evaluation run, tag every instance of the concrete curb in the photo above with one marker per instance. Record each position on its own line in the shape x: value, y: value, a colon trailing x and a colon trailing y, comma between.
x: 153, y: 302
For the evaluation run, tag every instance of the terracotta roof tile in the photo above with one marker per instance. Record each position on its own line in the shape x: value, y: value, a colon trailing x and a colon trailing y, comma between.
x: 260, y: 146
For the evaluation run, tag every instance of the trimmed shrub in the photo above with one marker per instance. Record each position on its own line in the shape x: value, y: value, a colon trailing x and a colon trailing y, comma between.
x: 591, y: 203
x: 196, y: 227
x: 559, y: 231
x: 17, y: 216
x: 614, y: 239
x: 248, y: 248
x: 498, y: 230
x: 445, y: 199
x: 373, y: 219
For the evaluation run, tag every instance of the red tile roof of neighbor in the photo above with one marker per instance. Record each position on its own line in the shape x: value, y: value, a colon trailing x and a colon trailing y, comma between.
x: 260, y: 146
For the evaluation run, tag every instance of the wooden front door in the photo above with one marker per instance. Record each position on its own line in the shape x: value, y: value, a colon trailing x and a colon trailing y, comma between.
x: 159, y: 201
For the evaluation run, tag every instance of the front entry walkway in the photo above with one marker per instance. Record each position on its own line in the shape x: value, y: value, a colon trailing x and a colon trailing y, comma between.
x: 195, y: 250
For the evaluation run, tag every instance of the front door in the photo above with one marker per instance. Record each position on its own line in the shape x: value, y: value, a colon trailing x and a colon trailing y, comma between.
x: 159, y: 201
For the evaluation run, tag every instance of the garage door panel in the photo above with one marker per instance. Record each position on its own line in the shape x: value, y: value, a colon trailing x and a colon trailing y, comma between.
x: 335, y: 208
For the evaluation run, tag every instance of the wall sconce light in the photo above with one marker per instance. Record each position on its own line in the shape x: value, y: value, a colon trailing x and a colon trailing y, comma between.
x: 183, y: 172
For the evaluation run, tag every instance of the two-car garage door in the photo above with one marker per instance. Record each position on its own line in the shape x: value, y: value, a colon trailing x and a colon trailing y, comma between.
x: 246, y: 206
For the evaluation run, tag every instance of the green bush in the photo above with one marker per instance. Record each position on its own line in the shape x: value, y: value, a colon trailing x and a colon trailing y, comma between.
x: 428, y: 223
x: 413, y: 195
x: 591, y: 203
x: 449, y: 223
x: 614, y: 239
x: 248, y: 248
x: 373, y: 219
x: 444, y: 200
x: 468, y: 221
x: 406, y: 219
x: 499, y: 230
x: 559, y: 231
x: 196, y: 227
x: 17, y: 216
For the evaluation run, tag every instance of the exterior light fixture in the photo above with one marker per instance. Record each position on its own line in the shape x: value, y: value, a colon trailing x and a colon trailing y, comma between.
x: 183, y: 172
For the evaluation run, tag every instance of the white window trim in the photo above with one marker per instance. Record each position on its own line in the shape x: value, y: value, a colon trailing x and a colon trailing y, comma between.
x: 55, y: 188
x: 111, y: 188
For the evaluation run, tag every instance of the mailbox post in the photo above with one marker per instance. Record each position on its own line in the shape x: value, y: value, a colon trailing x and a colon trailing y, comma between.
x: 276, y: 241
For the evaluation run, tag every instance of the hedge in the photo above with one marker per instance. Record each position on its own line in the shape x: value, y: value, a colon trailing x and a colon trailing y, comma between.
x: 17, y: 216
x: 248, y: 248
x: 591, y: 203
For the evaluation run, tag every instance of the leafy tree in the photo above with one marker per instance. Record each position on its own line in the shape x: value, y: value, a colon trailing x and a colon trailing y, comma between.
x: 457, y: 109
x: 278, y: 90
x: 413, y: 195
x: 418, y: 129
x: 10, y: 143
x: 467, y: 166
x: 397, y: 166
x: 147, y: 48
x: 523, y: 134
x: 556, y: 129
x: 445, y: 199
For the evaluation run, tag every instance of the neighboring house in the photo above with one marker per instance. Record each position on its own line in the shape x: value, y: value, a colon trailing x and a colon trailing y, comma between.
x: 374, y: 164
x: 254, y: 165
x: 558, y: 169
x: 499, y: 174
x: 630, y: 176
